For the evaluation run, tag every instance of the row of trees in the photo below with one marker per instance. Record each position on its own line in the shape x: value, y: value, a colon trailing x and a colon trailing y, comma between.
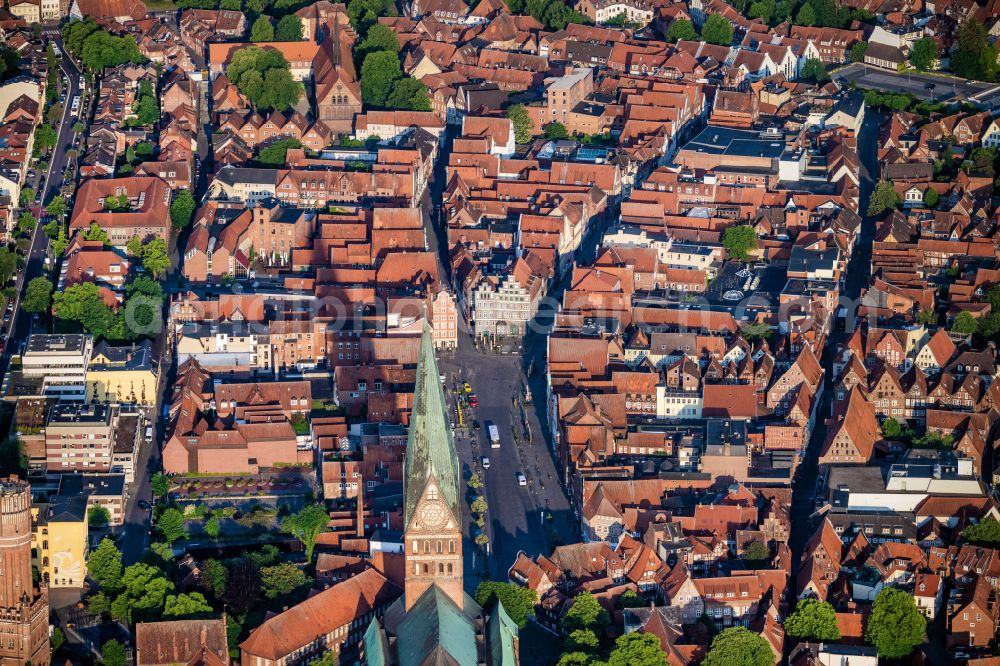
x: 555, y: 14
x: 821, y: 13
x: 716, y: 30
x: 288, y: 29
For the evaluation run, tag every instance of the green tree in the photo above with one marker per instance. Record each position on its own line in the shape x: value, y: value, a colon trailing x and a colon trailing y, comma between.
x: 243, y: 586
x: 82, y: 303
x: 113, y: 653
x: 577, y: 659
x: 134, y: 246
x: 380, y: 38
x: 975, y: 57
x: 379, y: 72
x: 519, y: 602
x: 56, y: 207
x: 262, y: 30
x: 282, y: 579
x: 629, y: 599
x: 160, y: 485
x: 37, y: 295
x: 892, y: 429
x: 274, y: 155
x: 989, y: 325
x: 13, y: 459
x: 144, y: 593
x: 740, y: 241
x: 95, y: 233
x: 155, y: 258
x: 556, y: 131
x: 858, y: 51
x: 924, y: 54
x: 927, y: 317
x: 681, y: 29
x: 212, y: 527
x: 814, y: 70
x: 984, y: 533
x: 264, y: 77
x: 757, y: 551
x: 182, y: 209
x: 58, y: 639
x: 965, y: 324
x: 762, y: 9
x: 171, y: 525
x: 306, y: 526
x: 806, y: 15
x: 26, y: 223
x: 931, y: 197
x: 409, y: 94
x: 585, y: 613
x: 717, y: 30
x: 98, y: 517
x: 213, y: 578
x: 45, y: 137
x: 193, y: 605
x: 524, y: 128
x: 27, y: 196
x: 637, y: 649
x: 582, y: 640
x: 474, y: 482
x: 289, y: 29
x: 883, y: 198
x: 738, y: 646
x: 478, y: 505
x: 895, y: 626
x: 813, y: 620
x: 104, y: 565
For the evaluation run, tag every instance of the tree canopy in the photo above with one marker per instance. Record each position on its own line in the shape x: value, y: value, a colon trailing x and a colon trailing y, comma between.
x: 738, y: 646
x: 814, y: 70
x: 585, y: 613
x: 264, y: 77
x: 519, y: 602
x: 96, y: 48
x: 924, y: 53
x: 524, y: 127
x: 883, y: 198
x: 104, y: 564
x: 38, y: 295
x: 262, y: 30
x: 895, y: 626
x: 289, y: 29
x: 974, y: 56
x: 740, y: 241
x: 182, y: 209
x: 83, y: 304
x: 187, y: 606
x: 813, y: 620
x: 681, y: 29
x: 984, y: 533
x: 379, y: 72
x: 717, y: 30
x: 637, y: 649
x: 306, y: 526
x: 965, y: 324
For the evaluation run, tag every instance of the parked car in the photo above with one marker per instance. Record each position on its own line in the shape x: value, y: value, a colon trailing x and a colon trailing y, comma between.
x: 521, y: 480
x: 486, y: 462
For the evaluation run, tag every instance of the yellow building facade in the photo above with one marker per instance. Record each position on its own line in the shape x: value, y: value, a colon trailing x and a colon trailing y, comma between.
x: 59, y: 542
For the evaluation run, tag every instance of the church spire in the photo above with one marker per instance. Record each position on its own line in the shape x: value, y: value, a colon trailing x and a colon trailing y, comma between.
x: 430, y: 449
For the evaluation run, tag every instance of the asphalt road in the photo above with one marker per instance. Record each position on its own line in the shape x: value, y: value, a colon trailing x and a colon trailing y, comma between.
x: 533, y: 517
x: 945, y: 88
x: 20, y: 324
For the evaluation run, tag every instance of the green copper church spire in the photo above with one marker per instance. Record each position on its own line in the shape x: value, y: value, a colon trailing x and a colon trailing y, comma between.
x: 430, y: 449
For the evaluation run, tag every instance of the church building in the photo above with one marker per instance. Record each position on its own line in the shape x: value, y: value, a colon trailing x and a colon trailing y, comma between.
x: 435, y: 621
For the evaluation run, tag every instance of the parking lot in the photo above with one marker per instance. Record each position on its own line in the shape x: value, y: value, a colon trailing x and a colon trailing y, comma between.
x: 531, y: 517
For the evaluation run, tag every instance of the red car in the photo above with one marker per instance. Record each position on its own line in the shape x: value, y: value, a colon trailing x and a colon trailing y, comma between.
x: 472, y: 400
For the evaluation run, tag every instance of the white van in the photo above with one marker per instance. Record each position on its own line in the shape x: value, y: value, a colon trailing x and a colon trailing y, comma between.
x: 521, y: 481
x: 149, y: 433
